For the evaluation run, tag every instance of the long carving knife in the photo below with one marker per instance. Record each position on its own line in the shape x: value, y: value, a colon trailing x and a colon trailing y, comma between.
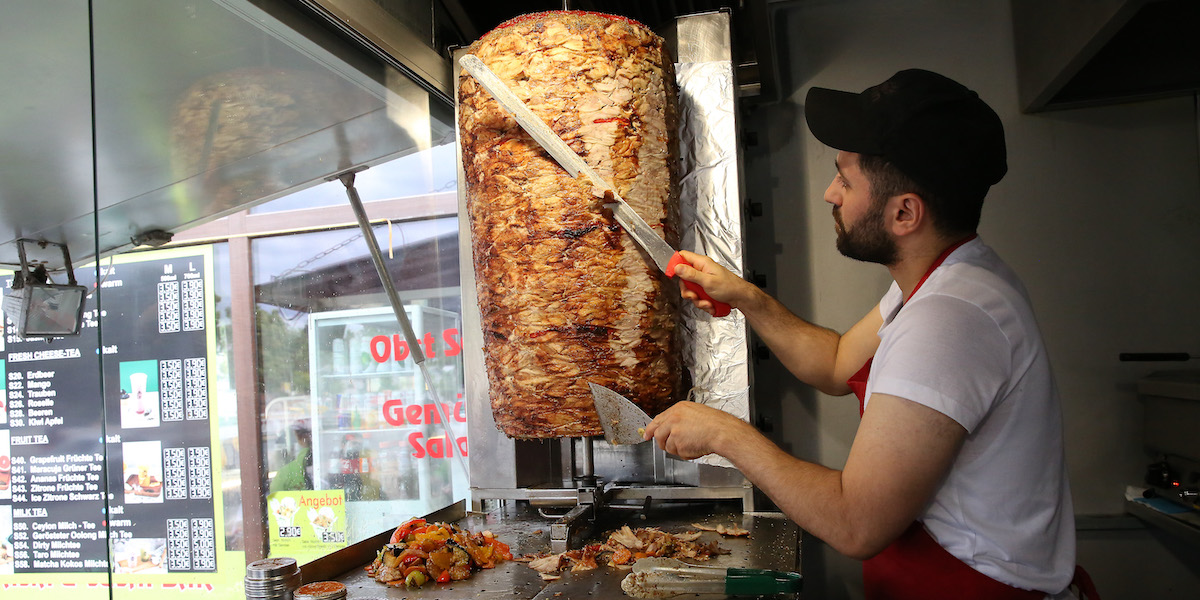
x: 663, y: 255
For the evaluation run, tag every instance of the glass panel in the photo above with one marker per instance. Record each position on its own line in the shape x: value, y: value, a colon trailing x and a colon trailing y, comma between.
x: 123, y: 412
x: 222, y: 104
x: 355, y: 443
x: 225, y: 395
x: 427, y: 172
x: 52, y: 460
x: 46, y: 173
x: 119, y: 455
x: 163, y: 391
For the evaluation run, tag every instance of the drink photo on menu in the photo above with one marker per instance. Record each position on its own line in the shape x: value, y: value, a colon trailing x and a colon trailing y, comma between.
x: 6, y: 537
x: 5, y: 466
x: 3, y: 387
x: 143, y: 472
x: 140, y: 555
x: 139, y: 394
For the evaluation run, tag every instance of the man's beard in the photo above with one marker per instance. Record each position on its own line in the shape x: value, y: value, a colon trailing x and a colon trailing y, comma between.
x: 867, y: 241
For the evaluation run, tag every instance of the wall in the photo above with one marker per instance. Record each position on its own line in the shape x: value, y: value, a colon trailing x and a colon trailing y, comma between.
x: 1098, y: 214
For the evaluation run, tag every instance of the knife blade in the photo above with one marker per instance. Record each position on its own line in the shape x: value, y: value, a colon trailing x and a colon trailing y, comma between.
x: 622, y: 421
x: 663, y: 255
x: 660, y: 252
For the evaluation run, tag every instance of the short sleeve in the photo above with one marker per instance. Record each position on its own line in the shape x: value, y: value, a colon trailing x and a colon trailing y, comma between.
x: 890, y: 301
x: 945, y: 353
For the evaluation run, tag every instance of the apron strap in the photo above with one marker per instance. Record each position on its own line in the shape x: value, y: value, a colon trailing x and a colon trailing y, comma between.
x: 858, y: 381
x: 858, y: 385
x: 1083, y: 582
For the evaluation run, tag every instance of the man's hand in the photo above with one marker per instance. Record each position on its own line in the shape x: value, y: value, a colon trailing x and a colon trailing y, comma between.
x: 719, y: 282
x: 689, y: 430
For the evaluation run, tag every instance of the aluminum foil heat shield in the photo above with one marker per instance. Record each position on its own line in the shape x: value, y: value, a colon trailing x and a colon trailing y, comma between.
x: 715, y: 350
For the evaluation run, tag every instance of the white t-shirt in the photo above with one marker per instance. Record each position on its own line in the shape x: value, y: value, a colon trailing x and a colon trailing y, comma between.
x: 967, y: 345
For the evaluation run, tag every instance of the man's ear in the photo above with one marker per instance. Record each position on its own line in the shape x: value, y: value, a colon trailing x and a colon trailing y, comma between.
x: 906, y: 213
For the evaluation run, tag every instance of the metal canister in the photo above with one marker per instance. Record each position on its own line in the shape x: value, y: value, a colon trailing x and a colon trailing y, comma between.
x: 272, y: 579
x: 321, y: 590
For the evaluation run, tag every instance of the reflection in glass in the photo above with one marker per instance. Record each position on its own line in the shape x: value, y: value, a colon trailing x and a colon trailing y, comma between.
x: 226, y: 394
x: 346, y: 409
x: 427, y: 172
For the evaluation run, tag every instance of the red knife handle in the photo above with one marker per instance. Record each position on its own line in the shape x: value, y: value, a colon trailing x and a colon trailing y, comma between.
x: 720, y: 309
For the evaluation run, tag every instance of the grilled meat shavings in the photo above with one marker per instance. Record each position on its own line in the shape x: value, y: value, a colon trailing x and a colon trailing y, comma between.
x: 729, y: 530
x: 623, y: 547
x: 565, y: 296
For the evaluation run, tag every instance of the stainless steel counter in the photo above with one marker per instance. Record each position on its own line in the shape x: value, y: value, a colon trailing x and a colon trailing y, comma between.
x: 773, y: 544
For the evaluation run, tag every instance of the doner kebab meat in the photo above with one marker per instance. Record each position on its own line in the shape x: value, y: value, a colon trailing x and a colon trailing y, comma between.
x: 565, y: 296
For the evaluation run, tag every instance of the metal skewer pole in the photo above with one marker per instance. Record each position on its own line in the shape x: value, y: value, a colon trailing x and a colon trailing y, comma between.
x: 414, y: 344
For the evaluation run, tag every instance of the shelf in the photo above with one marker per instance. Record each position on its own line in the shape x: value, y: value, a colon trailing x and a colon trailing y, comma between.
x: 338, y: 431
x: 1184, y: 525
x: 407, y: 372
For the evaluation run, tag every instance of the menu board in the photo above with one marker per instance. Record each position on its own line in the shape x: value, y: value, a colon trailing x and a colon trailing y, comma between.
x: 109, y: 437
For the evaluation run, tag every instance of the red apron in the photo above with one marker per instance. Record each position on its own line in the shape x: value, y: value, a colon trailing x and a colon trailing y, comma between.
x: 915, y: 566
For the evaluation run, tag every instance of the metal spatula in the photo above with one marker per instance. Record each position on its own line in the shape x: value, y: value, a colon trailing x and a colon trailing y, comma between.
x: 623, y: 422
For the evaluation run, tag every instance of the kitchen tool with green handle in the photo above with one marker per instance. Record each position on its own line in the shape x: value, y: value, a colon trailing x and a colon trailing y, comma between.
x: 656, y: 577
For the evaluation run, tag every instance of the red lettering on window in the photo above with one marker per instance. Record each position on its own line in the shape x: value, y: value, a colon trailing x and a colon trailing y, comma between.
x: 381, y: 350
x: 401, y: 347
x: 414, y: 440
x: 450, y: 336
x: 393, y: 412
x: 431, y: 414
x: 413, y: 412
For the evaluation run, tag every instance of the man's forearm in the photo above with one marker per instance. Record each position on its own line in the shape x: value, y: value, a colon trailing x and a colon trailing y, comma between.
x: 809, y: 494
x: 808, y: 351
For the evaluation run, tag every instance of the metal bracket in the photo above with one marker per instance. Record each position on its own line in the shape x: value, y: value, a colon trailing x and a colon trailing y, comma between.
x: 579, y: 521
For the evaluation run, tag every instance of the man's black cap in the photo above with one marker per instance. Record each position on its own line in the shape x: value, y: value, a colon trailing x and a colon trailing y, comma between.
x: 929, y: 126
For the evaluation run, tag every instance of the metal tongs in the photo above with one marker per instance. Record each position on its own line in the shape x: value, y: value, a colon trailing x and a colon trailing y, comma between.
x: 663, y: 577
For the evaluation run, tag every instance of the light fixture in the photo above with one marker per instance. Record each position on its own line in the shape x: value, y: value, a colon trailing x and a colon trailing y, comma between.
x: 155, y: 238
x: 40, y: 308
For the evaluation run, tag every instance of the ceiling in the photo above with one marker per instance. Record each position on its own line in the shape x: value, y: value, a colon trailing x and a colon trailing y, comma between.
x: 476, y: 17
x: 443, y: 25
x: 149, y: 116
x: 1078, y: 53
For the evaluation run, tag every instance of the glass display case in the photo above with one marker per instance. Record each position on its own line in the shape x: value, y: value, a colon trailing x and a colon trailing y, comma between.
x: 390, y: 443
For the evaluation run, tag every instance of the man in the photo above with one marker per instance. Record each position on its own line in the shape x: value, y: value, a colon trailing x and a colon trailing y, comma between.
x: 955, y: 484
x: 297, y: 474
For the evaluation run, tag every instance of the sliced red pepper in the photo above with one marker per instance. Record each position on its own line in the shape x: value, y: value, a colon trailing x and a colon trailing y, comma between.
x: 420, y: 567
x: 406, y: 528
x: 499, y: 548
x: 444, y: 577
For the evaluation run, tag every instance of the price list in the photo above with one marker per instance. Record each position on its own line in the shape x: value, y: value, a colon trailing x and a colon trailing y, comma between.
x: 175, y: 472
x: 169, y: 315
x: 55, y: 492
x: 170, y: 393
x: 196, y: 388
x: 145, y: 336
x: 191, y: 296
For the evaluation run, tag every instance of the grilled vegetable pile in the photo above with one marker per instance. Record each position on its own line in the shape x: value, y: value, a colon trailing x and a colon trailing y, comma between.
x: 420, y: 552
